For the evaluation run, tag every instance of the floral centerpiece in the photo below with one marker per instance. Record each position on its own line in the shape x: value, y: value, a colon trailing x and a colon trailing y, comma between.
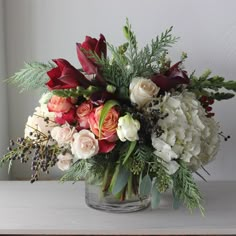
x: 133, y: 124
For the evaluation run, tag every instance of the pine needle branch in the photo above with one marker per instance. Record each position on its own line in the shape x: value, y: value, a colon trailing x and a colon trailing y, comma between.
x: 32, y: 76
x: 185, y: 189
x: 78, y: 171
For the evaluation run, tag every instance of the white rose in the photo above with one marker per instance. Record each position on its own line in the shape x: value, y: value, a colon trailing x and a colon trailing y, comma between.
x: 142, y: 91
x: 63, y: 135
x: 128, y: 128
x: 84, y: 145
x: 64, y: 161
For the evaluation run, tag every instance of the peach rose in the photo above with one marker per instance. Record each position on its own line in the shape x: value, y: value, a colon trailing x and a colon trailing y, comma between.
x: 108, y: 131
x: 83, y: 112
x: 59, y: 104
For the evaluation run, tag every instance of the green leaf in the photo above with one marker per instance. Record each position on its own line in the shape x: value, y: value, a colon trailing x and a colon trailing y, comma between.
x: 9, y: 167
x: 121, y: 180
x: 130, y: 150
x: 222, y: 96
x: 145, y: 186
x: 106, y: 108
x: 156, y: 197
x: 129, y: 34
x: 123, y: 48
x: 130, y: 186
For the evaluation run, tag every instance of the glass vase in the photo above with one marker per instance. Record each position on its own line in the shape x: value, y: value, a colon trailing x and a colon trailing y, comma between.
x: 96, y: 198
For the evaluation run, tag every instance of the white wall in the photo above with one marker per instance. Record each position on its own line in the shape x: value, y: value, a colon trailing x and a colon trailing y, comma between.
x: 44, y: 29
x: 3, y: 95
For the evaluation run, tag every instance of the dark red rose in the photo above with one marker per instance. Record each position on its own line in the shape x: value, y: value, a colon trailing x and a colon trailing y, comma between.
x: 105, y: 146
x: 99, y: 47
x: 69, y: 117
x: 173, y: 77
x: 65, y: 76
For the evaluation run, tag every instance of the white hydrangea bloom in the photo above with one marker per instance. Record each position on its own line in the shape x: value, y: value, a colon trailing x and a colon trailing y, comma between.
x: 188, y: 134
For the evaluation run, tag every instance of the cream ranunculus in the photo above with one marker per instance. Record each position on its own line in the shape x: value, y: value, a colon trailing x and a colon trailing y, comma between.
x: 142, y: 91
x: 128, y: 128
x: 84, y: 145
x: 64, y: 161
x: 63, y: 135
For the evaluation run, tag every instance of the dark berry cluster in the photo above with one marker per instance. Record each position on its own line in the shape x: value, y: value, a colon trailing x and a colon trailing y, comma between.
x: 37, y: 148
x: 225, y: 137
x: 206, y: 102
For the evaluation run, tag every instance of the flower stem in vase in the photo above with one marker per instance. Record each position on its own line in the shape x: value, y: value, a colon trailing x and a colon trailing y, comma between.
x: 106, y: 180
x: 130, y: 187
x: 123, y: 194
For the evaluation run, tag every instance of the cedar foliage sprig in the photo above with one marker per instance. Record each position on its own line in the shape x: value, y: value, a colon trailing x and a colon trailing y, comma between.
x: 32, y: 76
x: 129, y: 62
x: 186, y: 190
x: 146, y: 61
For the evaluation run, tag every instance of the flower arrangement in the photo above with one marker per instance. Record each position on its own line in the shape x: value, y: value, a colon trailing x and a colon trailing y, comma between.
x: 134, y: 122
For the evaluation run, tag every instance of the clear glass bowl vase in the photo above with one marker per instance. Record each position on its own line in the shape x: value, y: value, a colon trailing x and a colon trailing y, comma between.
x: 96, y: 198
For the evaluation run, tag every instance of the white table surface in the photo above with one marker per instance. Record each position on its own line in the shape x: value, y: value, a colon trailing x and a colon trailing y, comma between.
x: 55, y: 208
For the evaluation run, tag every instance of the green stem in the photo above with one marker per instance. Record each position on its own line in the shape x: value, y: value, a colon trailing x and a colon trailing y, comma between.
x: 114, y: 177
x: 123, y: 194
x: 135, y: 185
x: 105, y: 179
x: 130, y: 187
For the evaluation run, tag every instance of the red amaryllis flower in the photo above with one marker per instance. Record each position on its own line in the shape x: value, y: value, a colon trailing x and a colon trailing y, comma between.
x: 65, y: 76
x: 83, y: 51
x: 173, y: 77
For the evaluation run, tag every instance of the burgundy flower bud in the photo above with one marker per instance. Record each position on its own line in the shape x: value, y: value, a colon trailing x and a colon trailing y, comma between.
x: 87, y: 61
x: 171, y: 78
